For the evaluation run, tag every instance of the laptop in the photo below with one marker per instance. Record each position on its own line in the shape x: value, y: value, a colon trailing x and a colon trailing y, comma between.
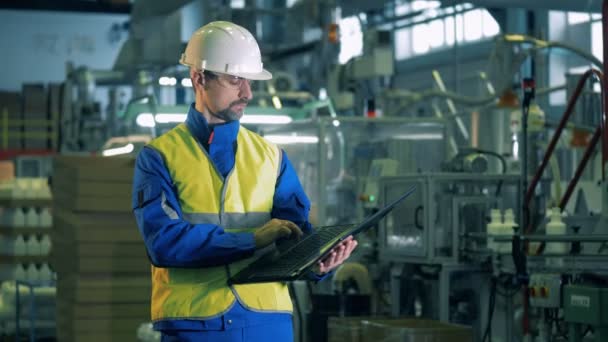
x: 294, y: 262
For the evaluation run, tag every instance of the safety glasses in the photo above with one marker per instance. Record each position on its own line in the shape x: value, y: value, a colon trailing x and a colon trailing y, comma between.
x: 228, y: 81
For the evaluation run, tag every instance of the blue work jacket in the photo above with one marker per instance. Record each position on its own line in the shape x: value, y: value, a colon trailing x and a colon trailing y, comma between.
x: 174, y: 242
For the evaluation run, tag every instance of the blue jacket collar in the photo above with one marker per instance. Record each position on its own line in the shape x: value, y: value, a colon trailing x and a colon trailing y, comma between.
x: 197, y: 124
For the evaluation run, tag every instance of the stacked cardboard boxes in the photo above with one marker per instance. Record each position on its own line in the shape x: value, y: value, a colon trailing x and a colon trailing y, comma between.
x: 103, y: 286
x: 35, y: 114
x: 10, y: 110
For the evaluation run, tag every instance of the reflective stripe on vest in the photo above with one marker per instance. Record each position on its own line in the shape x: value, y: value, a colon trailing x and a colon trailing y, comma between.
x: 241, y: 203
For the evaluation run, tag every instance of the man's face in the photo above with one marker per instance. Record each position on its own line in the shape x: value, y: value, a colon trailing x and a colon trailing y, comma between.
x: 227, y: 96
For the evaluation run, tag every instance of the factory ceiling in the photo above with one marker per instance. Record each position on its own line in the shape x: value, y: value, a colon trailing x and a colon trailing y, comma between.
x: 68, y: 6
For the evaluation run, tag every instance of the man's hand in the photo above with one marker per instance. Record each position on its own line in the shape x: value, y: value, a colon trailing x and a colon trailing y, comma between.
x: 337, y: 256
x: 274, y: 230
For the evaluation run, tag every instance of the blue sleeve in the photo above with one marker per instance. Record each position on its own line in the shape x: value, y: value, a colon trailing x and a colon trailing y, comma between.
x: 291, y: 203
x: 170, y: 240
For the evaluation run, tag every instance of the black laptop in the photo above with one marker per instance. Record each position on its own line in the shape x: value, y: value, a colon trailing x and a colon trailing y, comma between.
x: 293, y: 263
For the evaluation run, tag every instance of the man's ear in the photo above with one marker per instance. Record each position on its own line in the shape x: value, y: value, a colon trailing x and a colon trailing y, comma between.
x: 197, y: 77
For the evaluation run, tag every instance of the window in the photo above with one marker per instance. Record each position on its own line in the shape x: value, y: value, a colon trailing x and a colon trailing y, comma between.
x: 578, y: 17
x: 237, y: 3
x: 351, y: 39
x: 473, y: 31
x: 461, y: 23
x: 489, y: 24
x: 597, y: 46
x: 421, y: 5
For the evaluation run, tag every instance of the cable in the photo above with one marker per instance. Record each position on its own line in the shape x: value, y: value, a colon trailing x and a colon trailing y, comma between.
x: 511, y: 289
x: 465, y: 152
x: 502, y: 161
x: 491, y: 304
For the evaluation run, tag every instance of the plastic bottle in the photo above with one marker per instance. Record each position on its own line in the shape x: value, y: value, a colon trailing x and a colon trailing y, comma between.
x: 19, y: 189
x: 45, y: 245
x: 19, y: 247
x: 46, y: 275
x: 7, y: 217
x: 7, y: 244
x: 32, y: 274
x: 32, y: 246
x: 31, y: 218
x: 45, y: 190
x: 18, y: 218
x: 19, y: 273
x: 493, y: 228
x: 46, y: 219
x: 508, y: 229
x: 555, y: 226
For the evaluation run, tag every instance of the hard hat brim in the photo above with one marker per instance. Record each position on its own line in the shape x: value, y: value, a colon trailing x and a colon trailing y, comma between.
x: 259, y: 76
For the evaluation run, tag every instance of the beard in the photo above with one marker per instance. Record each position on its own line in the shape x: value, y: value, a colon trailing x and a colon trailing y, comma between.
x: 227, y: 114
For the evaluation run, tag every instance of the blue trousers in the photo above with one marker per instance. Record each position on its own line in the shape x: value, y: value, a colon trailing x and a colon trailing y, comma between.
x: 276, y: 332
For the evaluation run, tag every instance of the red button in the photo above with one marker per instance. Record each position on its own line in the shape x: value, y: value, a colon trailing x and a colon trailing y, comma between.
x: 532, y: 292
x: 544, y: 292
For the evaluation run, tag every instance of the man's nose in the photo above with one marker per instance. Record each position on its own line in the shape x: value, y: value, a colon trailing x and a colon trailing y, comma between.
x: 245, y: 90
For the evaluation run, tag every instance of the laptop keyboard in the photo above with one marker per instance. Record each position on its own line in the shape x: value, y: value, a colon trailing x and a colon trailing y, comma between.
x: 301, y: 252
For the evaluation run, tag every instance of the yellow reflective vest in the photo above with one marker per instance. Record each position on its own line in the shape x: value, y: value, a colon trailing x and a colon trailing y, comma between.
x: 240, y: 203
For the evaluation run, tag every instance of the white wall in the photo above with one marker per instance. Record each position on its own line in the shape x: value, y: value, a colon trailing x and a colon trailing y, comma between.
x: 36, y: 44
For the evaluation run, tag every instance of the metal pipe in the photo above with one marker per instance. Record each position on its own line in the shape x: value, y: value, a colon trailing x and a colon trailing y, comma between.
x: 558, y: 238
x: 604, y: 93
x: 547, y: 238
x: 580, y: 168
x: 557, y: 134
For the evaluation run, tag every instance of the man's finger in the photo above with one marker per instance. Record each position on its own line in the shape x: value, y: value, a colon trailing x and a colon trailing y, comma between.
x: 293, y: 227
x: 351, y: 246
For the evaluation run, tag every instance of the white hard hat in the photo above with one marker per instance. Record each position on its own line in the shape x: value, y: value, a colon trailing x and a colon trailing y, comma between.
x: 227, y: 48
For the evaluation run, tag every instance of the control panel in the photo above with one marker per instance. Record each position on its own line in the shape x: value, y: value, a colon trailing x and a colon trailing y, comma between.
x: 545, y: 289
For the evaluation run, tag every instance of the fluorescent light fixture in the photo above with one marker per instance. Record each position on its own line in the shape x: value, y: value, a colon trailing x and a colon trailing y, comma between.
x: 266, y: 119
x: 419, y: 136
x: 322, y: 94
x: 292, y: 139
x: 277, y: 102
x: 149, y: 120
x: 186, y: 82
x: 170, y: 117
x: 167, y: 81
x: 145, y: 120
x: 118, y: 150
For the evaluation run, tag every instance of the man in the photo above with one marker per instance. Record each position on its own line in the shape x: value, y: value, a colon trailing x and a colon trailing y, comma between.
x: 209, y: 193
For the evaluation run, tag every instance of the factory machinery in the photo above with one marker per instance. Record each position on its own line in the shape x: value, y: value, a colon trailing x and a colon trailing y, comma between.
x: 488, y: 240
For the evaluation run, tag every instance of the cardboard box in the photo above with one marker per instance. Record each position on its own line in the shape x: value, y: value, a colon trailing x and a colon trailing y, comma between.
x: 100, y: 326
x: 413, y: 330
x: 7, y: 171
x: 96, y: 168
x: 99, y: 204
x: 103, y: 281
x: 98, y: 249
x: 106, y: 229
x: 63, y: 183
x: 102, y: 295
x: 110, y: 265
x: 54, y: 106
x: 11, y: 101
x: 35, y: 101
x: 36, y: 140
x: 103, y: 310
x: 65, y: 335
